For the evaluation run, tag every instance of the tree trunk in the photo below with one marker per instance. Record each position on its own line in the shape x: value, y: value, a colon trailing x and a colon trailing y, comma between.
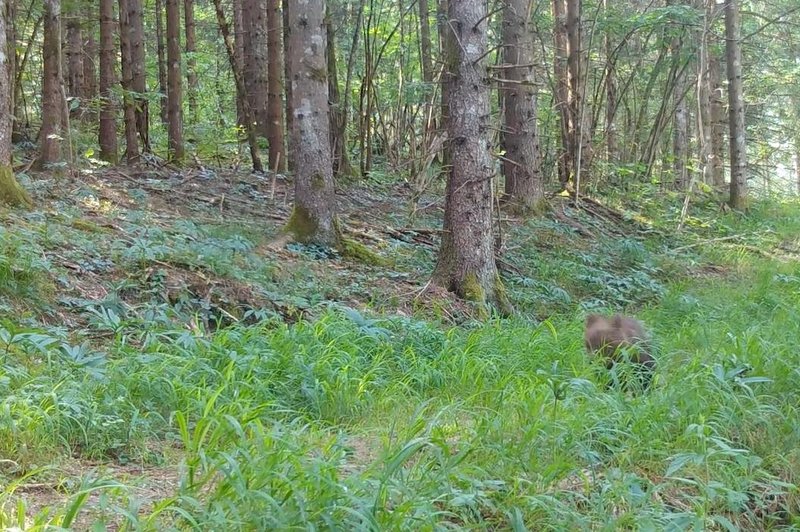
x: 161, y: 54
x: 191, y: 63
x: 680, y: 119
x: 174, y: 82
x: 425, y: 41
x: 107, y: 136
x: 738, y: 148
x: 426, y: 64
x: 341, y: 162
x: 11, y: 193
x: 89, y: 89
x: 255, y: 61
x: 344, y: 109
x: 138, y: 72
x: 9, y: 13
x: 703, y: 92
x: 445, y: 36
x: 561, y: 92
x: 241, y: 91
x: 277, y: 150
x: 289, y: 112
x: 717, y: 118
x: 238, y: 42
x: 313, y: 217
x: 52, y: 83
x: 466, y: 263
x: 129, y: 104
x: 612, y: 152
x: 20, y: 114
x: 796, y: 163
x: 74, y: 63
x: 520, y: 136
x: 579, y: 140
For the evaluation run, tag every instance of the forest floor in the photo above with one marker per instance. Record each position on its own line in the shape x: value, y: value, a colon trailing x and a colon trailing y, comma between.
x: 167, y: 365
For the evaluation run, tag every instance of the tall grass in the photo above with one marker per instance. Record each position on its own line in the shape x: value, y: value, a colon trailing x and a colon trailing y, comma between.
x: 383, y: 424
x: 353, y: 422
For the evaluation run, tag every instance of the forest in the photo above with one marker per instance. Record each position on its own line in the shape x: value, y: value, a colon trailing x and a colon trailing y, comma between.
x: 399, y: 265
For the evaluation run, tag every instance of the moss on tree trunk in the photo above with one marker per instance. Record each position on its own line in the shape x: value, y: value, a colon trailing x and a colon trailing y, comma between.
x: 11, y: 193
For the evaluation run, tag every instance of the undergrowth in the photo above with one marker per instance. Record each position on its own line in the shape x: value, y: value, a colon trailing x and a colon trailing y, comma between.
x: 364, y: 418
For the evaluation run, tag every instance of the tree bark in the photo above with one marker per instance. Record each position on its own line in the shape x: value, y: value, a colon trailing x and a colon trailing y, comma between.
x: 74, y: 62
x: 52, y: 83
x: 161, y: 54
x: 680, y: 118
x: 20, y: 114
x: 238, y: 46
x: 90, y: 56
x: 466, y: 263
x: 341, y: 162
x: 313, y: 218
x: 738, y: 147
x: 344, y: 109
x: 255, y: 61
x: 703, y: 92
x: 289, y: 112
x: 277, y: 150
x: 445, y: 36
x: 107, y: 136
x: 241, y: 91
x: 191, y: 62
x: 129, y: 104
x: 612, y: 151
x: 561, y: 92
x: 9, y: 14
x: 796, y: 163
x: 11, y: 193
x: 425, y: 41
x: 174, y: 82
x: 717, y: 118
x: 138, y: 72
x: 520, y: 137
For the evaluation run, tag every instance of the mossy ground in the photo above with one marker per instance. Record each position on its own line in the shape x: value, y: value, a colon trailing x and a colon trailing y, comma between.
x: 11, y: 193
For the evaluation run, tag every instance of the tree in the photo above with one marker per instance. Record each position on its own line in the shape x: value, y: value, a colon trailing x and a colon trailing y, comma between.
x: 254, y: 46
x: 161, y: 59
x: 612, y: 154
x: 425, y: 41
x: 191, y: 62
x: 466, y: 263
x: 241, y: 92
x: 11, y: 192
x: 277, y: 151
x: 288, y: 113
x: 107, y: 135
x: 174, y: 81
x: 52, y: 83
x: 341, y: 161
x: 680, y: 119
x: 129, y: 103
x: 238, y: 46
x: 135, y: 29
x: 522, y: 164
x: 738, y: 148
x: 717, y: 118
x: 313, y: 218
x: 89, y: 89
x: 561, y: 92
x: 74, y: 79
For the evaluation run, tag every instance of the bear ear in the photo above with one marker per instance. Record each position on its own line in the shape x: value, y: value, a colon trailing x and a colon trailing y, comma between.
x: 591, y: 319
